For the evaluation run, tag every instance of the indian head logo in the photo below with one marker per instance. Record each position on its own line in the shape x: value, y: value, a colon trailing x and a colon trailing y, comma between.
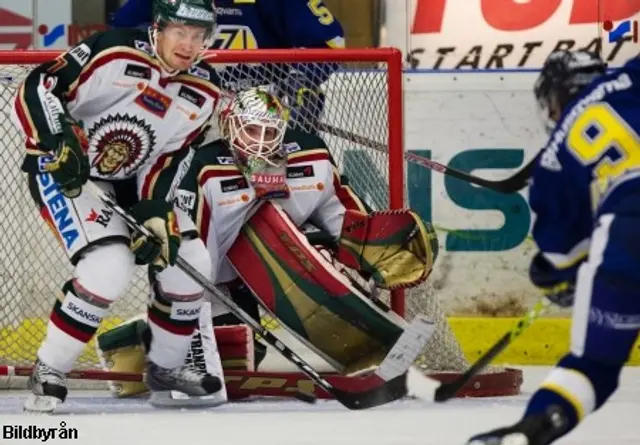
x: 119, y: 145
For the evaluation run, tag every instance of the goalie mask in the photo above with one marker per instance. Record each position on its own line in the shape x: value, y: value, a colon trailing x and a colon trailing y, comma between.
x: 181, y: 32
x: 254, y: 123
x: 564, y: 75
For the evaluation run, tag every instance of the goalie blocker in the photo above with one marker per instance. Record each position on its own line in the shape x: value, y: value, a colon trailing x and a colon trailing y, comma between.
x: 300, y: 288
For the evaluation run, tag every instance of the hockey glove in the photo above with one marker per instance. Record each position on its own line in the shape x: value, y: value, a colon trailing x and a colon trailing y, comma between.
x: 305, y: 99
x: 70, y: 167
x: 558, y: 285
x: 395, y: 248
x: 158, y: 217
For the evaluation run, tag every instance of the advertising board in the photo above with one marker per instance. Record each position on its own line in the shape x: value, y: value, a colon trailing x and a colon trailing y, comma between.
x: 38, y: 24
x: 508, y: 34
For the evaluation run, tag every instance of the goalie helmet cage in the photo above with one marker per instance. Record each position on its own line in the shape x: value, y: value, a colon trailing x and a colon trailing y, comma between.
x: 361, y: 100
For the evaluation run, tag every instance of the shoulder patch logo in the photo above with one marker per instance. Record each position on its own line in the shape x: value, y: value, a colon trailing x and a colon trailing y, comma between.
x: 81, y: 53
x: 199, y: 72
x: 143, y: 46
x: 185, y: 200
x: 225, y: 160
x: 291, y: 147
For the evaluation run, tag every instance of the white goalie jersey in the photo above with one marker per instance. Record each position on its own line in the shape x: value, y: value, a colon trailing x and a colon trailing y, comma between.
x: 220, y: 199
x: 134, y: 115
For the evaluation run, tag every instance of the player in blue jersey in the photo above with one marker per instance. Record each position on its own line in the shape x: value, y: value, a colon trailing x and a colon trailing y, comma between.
x: 257, y: 24
x: 586, y: 197
x: 251, y: 24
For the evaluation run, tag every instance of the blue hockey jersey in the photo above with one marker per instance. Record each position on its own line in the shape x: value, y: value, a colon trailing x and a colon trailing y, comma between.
x: 251, y: 24
x: 589, y: 167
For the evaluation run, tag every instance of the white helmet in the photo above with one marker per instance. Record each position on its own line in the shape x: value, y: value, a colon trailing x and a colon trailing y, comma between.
x: 254, y: 122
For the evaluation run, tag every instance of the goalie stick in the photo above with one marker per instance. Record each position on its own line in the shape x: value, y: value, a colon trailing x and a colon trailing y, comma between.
x: 392, y: 371
x: 447, y: 391
x: 512, y: 184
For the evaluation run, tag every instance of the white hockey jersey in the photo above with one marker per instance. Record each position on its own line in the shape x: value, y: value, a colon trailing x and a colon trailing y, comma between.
x: 134, y: 115
x: 220, y: 199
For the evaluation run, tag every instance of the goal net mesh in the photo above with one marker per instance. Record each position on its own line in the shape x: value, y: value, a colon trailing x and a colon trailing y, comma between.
x: 334, y: 100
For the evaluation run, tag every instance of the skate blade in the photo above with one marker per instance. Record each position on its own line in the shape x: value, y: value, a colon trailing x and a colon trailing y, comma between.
x: 509, y: 439
x: 177, y: 399
x: 36, y: 404
x: 515, y: 439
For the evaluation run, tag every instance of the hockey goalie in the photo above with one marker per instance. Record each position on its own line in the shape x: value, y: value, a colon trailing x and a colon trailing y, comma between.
x: 250, y: 193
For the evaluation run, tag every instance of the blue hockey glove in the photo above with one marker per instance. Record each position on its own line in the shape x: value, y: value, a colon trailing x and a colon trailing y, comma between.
x: 558, y: 285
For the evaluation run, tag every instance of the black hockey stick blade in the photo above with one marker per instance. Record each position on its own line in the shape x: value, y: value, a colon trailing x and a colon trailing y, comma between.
x: 394, y: 389
x: 447, y: 391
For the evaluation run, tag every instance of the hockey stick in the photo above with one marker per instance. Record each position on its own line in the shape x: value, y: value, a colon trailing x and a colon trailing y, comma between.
x: 511, y: 184
x: 447, y: 391
x: 392, y: 371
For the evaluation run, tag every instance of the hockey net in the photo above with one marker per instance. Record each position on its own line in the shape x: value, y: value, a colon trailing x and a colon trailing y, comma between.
x: 358, y: 114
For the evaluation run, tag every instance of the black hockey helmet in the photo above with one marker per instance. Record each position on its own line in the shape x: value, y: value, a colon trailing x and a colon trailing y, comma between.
x: 563, y: 75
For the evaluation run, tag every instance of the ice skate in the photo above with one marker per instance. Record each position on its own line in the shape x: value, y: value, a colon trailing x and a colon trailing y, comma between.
x: 539, y: 429
x: 48, y: 388
x: 171, y: 386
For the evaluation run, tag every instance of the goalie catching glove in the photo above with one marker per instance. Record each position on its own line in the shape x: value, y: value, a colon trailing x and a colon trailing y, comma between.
x: 396, y: 248
x: 70, y: 167
x: 157, y: 216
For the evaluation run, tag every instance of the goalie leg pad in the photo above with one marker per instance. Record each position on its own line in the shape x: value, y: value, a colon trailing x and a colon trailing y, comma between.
x: 396, y: 248
x: 305, y: 293
x: 242, y: 296
x: 120, y: 350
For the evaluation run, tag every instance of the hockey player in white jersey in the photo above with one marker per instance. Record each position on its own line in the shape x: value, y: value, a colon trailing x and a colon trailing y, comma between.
x: 117, y: 109
x: 249, y: 193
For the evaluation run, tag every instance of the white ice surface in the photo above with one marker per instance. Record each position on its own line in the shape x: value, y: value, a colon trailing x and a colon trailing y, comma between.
x: 100, y: 419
